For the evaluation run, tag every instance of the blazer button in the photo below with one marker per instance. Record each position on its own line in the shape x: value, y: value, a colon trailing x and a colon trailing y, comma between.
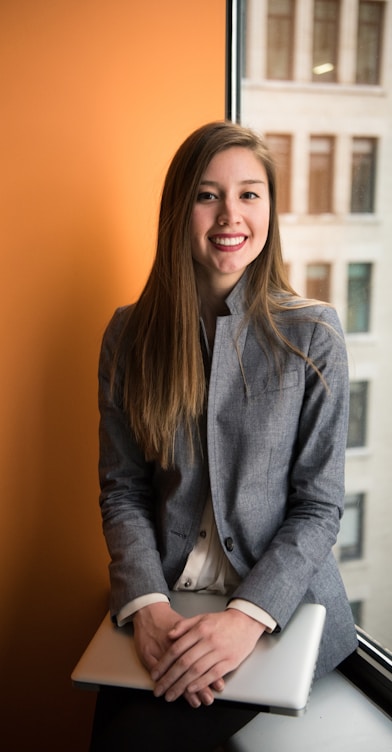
x: 229, y: 543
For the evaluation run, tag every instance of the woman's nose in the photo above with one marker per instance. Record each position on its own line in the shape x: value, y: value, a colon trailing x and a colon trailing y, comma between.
x: 229, y: 213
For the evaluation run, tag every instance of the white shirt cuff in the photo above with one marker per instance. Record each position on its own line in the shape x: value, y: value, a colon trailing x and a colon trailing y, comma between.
x: 129, y: 610
x: 255, y: 612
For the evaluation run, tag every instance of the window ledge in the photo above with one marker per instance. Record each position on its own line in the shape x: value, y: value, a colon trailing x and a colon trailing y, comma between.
x: 360, y: 90
x: 291, y: 218
x: 361, y: 338
x: 353, y: 452
x: 340, y: 717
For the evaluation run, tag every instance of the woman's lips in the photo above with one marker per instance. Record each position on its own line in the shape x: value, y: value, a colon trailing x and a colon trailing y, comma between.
x: 228, y: 243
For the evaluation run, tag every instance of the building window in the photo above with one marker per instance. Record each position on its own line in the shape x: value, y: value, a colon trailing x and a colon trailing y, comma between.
x: 350, y: 537
x: 369, y: 42
x: 325, y: 40
x: 363, y: 175
x: 359, y: 287
x: 356, y: 610
x: 280, y: 39
x: 280, y: 147
x: 358, y: 414
x: 320, y: 174
x: 318, y: 279
x: 336, y: 175
x: 244, y: 45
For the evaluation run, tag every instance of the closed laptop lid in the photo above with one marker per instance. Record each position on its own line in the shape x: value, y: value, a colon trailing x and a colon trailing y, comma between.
x: 277, y: 676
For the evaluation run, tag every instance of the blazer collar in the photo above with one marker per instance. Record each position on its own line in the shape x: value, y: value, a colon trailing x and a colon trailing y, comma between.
x: 235, y: 300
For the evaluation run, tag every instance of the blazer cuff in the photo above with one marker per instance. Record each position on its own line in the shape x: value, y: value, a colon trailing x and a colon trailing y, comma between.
x: 129, y: 610
x: 255, y: 612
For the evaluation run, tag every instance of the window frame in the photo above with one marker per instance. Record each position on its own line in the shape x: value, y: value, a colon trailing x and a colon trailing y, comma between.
x: 370, y: 666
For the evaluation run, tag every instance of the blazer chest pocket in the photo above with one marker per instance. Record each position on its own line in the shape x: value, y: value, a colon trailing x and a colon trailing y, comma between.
x: 274, y: 383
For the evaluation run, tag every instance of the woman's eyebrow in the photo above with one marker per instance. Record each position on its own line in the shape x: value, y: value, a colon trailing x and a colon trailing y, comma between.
x: 247, y: 181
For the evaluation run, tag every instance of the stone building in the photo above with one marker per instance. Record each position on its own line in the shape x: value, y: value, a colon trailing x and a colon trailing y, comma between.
x: 316, y: 81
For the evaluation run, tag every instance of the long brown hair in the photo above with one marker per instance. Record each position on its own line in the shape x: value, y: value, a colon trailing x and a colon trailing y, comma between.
x: 159, y: 353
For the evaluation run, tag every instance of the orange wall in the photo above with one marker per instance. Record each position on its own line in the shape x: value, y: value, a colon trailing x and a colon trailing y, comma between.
x: 95, y: 97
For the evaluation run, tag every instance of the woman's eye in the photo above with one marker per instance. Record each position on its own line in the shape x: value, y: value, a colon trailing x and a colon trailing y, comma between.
x: 250, y: 195
x: 206, y: 196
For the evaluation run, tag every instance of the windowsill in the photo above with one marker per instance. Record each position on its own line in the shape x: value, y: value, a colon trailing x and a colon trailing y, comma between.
x: 353, y: 452
x: 361, y: 338
x: 358, y: 565
x: 291, y: 218
x: 340, y: 717
x: 300, y: 87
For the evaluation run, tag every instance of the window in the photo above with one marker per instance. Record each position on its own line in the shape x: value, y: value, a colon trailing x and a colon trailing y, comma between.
x: 325, y: 40
x: 320, y: 174
x: 370, y: 23
x: 280, y: 146
x: 363, y: 175
x: 351, y: 533
x: 318, y: 278
x: 338, y: 165
x: 280, y: 30
x: 358, y: 297
x: 358, y: 414
x: 356, y: 609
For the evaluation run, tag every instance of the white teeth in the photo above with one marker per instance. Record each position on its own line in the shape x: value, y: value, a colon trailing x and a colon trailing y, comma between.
x: 229, y: 241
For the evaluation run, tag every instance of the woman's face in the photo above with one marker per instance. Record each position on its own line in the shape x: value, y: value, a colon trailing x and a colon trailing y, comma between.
x: 230, y: 218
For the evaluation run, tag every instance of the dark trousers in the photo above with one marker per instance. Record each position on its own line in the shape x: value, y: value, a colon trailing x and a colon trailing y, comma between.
x: 135, y: 721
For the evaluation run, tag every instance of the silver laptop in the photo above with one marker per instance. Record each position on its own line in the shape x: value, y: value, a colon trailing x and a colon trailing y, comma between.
x: 277, y: 676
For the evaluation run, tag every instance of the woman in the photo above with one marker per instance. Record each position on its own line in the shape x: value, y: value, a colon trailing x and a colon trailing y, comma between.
x: 224, y: 402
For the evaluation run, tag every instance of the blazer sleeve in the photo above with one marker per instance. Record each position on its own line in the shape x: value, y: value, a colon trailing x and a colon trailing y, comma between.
x: 300, y: 549
x: 126, y: 497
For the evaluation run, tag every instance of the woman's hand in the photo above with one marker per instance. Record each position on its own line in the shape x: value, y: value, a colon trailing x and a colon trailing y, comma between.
x: 201, y: 651
x: 153, y: 626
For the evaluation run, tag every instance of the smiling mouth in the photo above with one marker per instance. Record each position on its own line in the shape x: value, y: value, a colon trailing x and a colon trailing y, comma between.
x: 228, y: 242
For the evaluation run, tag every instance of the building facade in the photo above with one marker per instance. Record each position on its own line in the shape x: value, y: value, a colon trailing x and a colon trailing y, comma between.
x: 316, y: 81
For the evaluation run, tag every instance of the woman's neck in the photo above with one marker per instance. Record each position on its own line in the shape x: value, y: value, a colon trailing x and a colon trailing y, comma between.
x: 212, y: 305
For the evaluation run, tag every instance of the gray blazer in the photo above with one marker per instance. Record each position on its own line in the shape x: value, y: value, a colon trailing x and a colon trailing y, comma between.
x: 272, y: 453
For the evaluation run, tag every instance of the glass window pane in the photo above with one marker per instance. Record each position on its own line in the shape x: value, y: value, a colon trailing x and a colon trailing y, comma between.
x: 325, y: 40
x: 356, y: 609
x: 341, y: 194
x: 350, y: 535
x: 358, y: 297
x: 318, y: 281
x: 369, y: 42
x: 280, y: 38
x: 320, y: 175
x: 358, y: 414
x: 280, y: 147
x: 363, y: 175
